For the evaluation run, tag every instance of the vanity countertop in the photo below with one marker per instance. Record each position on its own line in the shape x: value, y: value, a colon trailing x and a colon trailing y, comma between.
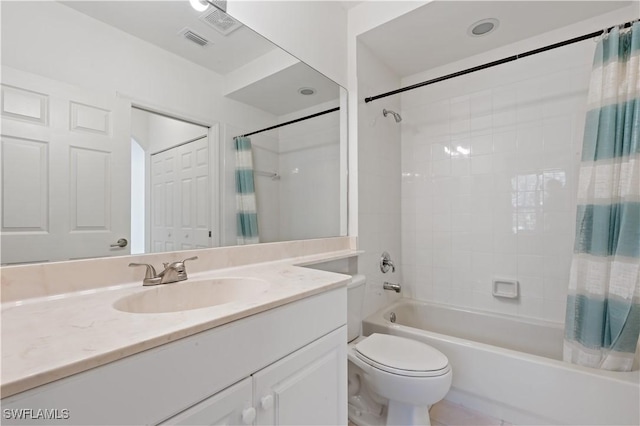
x: 48, y: 338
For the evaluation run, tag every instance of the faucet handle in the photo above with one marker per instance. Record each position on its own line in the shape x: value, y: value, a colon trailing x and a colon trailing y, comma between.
x: 150, y: 276
x: 177, y: 269
x: 178, y: 263
x: 182, y: 272
x: 151, y: 271
x: 386, y: 263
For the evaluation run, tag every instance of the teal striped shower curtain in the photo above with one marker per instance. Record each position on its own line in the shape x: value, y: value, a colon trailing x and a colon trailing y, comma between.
x: 603, y: 305
x: 246, y: 212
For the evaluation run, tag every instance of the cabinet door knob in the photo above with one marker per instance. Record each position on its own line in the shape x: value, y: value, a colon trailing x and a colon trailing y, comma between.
x: 248, y: 415
x: 266, y: 402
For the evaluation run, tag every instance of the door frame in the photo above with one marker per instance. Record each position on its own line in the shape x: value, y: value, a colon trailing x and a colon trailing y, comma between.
x: 215, y: 166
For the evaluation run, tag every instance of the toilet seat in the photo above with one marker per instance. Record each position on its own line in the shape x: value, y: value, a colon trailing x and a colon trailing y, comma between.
x: 402, y: 356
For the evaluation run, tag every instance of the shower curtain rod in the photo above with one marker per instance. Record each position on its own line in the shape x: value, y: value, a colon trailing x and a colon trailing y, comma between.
x: 498, y: 62
x: 317, y: 114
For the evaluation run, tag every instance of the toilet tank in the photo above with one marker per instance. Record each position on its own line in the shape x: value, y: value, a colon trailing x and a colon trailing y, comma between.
x: 355, y: 299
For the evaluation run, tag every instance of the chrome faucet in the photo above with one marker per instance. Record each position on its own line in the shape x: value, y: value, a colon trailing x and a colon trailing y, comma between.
x: 173, y: 272
x: 391, y: 286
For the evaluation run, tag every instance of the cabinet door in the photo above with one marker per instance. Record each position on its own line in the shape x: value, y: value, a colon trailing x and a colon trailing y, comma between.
x: 307, y: 387
x: 231, y: 406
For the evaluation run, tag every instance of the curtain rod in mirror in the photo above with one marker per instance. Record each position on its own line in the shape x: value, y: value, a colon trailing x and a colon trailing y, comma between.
x: 317, y: 114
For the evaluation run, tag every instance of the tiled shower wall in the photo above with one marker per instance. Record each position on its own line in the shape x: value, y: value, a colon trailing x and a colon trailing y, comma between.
x: 378, y: 180
x: 489, y: 169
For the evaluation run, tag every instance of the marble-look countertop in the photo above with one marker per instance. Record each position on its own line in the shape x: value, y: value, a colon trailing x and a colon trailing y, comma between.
x: 48, y: 338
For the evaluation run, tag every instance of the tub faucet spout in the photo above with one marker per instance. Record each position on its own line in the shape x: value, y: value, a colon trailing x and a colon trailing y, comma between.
x: 391, y: 286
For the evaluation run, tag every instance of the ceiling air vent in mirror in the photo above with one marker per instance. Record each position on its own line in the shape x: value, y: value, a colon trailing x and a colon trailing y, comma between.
x: 220, y: 21
x: 191, y: 36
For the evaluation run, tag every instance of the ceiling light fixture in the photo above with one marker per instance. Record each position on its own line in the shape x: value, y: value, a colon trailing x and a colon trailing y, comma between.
x: 483, y: 27
x: 199, y: 5
x: 307, y: 91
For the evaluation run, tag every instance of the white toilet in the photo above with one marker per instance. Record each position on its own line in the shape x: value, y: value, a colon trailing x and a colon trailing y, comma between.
x: 392, y: 380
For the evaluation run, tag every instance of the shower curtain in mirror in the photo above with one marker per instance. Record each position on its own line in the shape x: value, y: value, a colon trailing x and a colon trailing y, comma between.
x: 603, y: 305
x: 246, y: 213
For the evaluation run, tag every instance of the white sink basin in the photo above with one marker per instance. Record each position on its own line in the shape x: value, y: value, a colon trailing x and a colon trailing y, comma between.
x: 188, y: 295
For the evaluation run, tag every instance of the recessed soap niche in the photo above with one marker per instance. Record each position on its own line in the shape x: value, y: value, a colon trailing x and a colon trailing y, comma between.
x: 506, y: 288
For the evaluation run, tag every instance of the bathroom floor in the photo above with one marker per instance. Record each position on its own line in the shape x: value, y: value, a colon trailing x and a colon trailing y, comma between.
x: 446, y: 413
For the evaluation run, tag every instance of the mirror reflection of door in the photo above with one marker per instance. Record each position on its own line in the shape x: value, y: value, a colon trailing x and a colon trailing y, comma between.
x: 177, y: 194
x: 65, y: 174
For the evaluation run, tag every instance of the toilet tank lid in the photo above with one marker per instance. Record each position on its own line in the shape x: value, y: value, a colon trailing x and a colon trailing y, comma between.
x: 357, y: 281
x: 401, y: 353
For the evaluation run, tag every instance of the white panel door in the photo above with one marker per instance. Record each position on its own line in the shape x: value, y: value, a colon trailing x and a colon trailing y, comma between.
x: 193, y: 231
x: 307, y: 387
x: 180, y: 197
x: 65, y: 170
x: 163, y: 201
x: 231, y: 406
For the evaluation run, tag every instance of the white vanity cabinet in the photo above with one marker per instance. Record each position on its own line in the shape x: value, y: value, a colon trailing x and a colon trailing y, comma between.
x: 303, y: 388
x: 232, y: 406
x: 285, y: 365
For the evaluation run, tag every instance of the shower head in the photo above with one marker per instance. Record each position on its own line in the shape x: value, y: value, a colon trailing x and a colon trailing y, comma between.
x: 396, y: 116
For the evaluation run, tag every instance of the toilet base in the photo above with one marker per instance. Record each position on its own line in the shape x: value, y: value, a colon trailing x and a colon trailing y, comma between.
x: 398, y: 414
x: 366, y: 418
x: 364, y: 410
x: 404, y: 414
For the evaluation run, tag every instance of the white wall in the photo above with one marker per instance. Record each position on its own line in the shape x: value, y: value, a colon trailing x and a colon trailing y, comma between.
x: 379, y: 180
x: 140, y: 127
x: 309, y: 165
x: 165, y: 132
x: 138, y: 197
x: 489, y: 166
x: 362, y: 18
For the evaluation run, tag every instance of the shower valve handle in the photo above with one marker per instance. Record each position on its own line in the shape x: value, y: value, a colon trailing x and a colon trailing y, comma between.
x: 386, y: 263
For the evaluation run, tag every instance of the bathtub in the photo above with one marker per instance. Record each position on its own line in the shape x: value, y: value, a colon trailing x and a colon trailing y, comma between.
x: 511, y: 368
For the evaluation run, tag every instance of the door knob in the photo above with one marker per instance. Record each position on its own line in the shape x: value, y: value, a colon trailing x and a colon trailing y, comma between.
x: 122, y: 242
x: 248, y: 415
x: 266, y: 402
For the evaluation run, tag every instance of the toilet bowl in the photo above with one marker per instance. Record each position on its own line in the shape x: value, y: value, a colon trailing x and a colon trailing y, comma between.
x: 392, y: 380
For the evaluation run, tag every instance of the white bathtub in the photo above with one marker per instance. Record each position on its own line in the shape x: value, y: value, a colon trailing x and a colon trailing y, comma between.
x: 510, y: 368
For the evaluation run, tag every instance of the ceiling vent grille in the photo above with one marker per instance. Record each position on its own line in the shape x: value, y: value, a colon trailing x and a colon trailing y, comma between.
x: 220, y: 21
x: 193, y: 37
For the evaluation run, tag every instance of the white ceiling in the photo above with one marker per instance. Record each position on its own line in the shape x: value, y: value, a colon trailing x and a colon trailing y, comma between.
x: 278, y: 93
x: 436, y: 34
x: 160, y: 22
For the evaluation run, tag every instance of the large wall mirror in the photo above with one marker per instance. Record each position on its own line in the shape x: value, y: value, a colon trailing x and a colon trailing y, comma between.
x: 120, y: 126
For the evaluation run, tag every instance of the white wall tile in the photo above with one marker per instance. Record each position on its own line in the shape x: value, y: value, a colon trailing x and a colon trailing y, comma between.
x: 505, y: 140
x: 482, y: 164
x: 481, y: 144
x: 505, y: 265
x: 460, y: 166
x: 495, y: 195
x: 530, y: 287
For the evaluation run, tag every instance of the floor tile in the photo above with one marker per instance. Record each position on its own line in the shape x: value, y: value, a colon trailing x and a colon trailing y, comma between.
x: 446, y: 413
